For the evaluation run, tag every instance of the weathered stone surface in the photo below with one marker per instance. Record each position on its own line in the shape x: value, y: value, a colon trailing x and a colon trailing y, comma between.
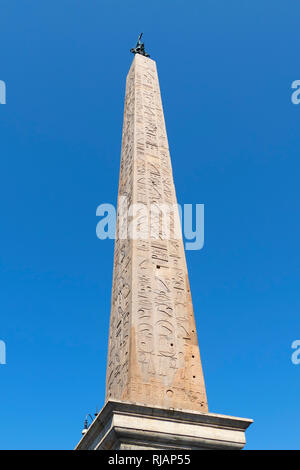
x: 153, y: 355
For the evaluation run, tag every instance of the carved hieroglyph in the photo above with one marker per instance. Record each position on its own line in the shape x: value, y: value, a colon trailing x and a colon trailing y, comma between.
x: 153, y: 353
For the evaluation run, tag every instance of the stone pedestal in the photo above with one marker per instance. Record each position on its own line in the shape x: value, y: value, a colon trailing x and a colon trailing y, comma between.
x: 127, y: 426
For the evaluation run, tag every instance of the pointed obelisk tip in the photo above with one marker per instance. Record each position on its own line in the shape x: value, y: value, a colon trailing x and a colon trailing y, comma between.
x: 140, y: 47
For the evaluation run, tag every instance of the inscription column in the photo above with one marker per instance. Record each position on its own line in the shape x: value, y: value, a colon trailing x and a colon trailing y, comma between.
x: 153, y: 355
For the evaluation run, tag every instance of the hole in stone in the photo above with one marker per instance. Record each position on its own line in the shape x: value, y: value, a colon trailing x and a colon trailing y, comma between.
x: 194, y: 376
x: 171, y: 344
x: 157, y: 267
x: 193, y: 357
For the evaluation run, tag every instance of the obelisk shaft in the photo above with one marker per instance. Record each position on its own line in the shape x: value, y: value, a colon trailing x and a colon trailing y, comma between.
x: 153, y: 354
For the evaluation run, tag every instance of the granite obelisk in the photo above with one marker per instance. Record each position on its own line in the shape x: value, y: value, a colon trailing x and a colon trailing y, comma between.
x: 155, y: 391
x: 153, y: 353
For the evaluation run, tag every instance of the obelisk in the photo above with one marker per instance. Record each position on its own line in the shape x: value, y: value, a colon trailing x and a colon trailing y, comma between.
x: 155, y: 391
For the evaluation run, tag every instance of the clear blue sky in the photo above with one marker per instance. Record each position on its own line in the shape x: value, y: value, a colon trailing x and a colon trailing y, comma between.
x: 225, y: 71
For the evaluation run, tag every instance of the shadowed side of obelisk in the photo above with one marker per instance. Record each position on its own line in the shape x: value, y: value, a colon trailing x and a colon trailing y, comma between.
x: 117, y: 375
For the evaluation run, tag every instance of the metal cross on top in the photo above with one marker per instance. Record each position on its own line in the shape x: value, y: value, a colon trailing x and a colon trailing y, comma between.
x: 140, y: 47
